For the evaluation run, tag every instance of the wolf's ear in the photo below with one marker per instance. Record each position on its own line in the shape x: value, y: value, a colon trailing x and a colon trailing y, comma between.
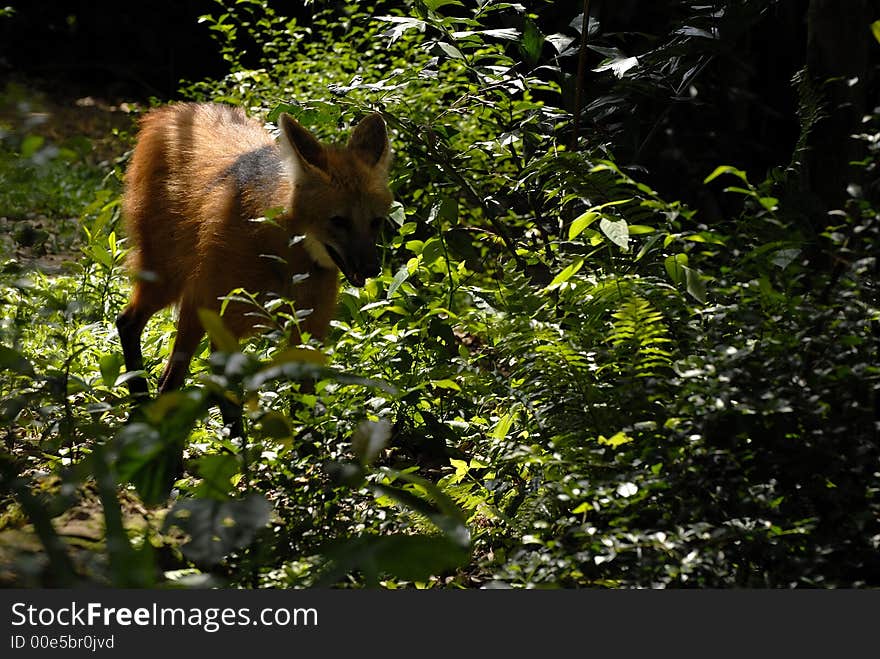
x: 299, y: 148
x: 370, y: 139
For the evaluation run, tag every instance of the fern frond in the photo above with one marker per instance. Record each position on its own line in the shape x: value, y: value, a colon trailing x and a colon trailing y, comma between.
x: 638, y: 336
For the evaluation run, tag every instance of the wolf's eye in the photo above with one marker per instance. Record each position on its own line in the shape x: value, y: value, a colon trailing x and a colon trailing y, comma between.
x: 340, y: 222
x: 376, y: 223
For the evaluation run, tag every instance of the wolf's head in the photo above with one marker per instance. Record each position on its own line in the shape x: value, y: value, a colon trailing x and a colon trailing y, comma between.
x: 340, y: 194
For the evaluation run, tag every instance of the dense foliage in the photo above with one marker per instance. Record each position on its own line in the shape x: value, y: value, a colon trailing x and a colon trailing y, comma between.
x: 576, y: 369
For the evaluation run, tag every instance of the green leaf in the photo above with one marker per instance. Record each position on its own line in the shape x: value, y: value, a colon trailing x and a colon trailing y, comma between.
x: 216, y: 472
x: 783, y: 257
x: 696, y: 286
x: 312, y: 113
x: 129, y: 567
x: 440, y: 509
x: 580, y: 223
x: 619, y: 65
x: 12, y: 406
x: 627, y: 489
x: 149, y: 455
x: 275, y: 425
x: 299, y: 356
x: 111, y: 242
x: 217, y: 528
x: 110, y: 366
x: 141, y: 456
x: 400, y: 25
x: 615, y: 440
x: 617, y: 232
x: 770, y: 203
x: 448, y: 209
x: 503, y: 426
x: 449, y: 50
x: 726, y: 169
x: 649, y: 245
x: 31, y: 144
x: 705, y: 237
x: 446, y: 384
x: 675, y: 264
x: 221, y: 337
x: 875, y: 30
x: 14, y: 361
x: 508, y: 34
x: 99, y: 254
x: 532, y: 40
x: 369, y: 439
x: 407, y: 557
x: 432, y: 251
x: 397, y: 214
x: 567, y: 273
x: 434, y: 5
x: 400, y: 276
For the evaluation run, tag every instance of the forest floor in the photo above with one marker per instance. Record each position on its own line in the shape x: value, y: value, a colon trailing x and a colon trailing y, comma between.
x: 73, y: 139
x: 59, y: 111
x: 57, y: 143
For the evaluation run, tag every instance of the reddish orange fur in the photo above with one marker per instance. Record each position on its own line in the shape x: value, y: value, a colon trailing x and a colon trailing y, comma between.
x: 198, y: 176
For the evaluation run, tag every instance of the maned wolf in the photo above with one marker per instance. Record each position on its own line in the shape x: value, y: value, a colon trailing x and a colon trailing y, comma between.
x: 200, y: 176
